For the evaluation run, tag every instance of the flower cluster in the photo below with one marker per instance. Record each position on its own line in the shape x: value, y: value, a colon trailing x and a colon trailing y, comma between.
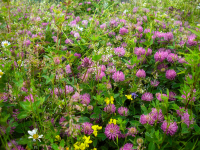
x: 96, y: 128
x: 153, y: 116
x: 109, y: 100
x: 83, y: 145
x: 169, y: 127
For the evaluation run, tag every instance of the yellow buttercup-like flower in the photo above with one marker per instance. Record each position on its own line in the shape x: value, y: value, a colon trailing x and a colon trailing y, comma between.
x: 57, y: 138
x: 114, y: 121
x: 109, y: 101
x: 95, y: 132
x: 129, y: 97
x: 82, y: 146
x: 95, y: 128
x: 87, y: 141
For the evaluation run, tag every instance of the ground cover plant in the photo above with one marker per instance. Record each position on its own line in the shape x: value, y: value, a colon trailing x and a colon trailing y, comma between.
x: 99, y: 74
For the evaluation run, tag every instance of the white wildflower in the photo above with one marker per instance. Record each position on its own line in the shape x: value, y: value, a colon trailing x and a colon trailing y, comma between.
x: 81, y: 29
x: 34, y: 135
x: 125, y: 11
x: 1, y: 73
x: 5, y: 44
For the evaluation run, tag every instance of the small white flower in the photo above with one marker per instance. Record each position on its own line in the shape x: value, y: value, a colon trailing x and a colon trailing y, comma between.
x: 5, y: 44
x: 81, y: 29
x: 125, y: 11
x: 34, y: 135
x: 1, y: 73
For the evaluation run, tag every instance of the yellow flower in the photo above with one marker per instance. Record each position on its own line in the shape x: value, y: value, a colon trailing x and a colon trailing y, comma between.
x: 129, y: 97
x: 107, y: 101
x: 111, y: 100
x: 57, y: 138
x: 95, y: 132
x: 114, y: 121
x: 110, y: 122
x: 94, y: 149
x: 1, y: 73
x: 95, y: 128
x: 82, y: 146
x: 76, y: 145
x: 87, y: 141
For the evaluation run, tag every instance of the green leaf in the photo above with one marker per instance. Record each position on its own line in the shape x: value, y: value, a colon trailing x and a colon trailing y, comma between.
x: 84, y: 119
x: 102, y: 136
x: 94, y: 38
x: 95, y: 142
x: 55, y: 146
x: 22, y: 115
x: 6, y: 1
x: 5, y: 118
x: 197, y: 128
x: 96, y: 57
x: 62, y: 143
x: 144, y: 109
x: 175, y: 106
x: 8, y: 130
x: 170, y: 140
x: 134, y: 123
x: 184, y: 128
x: 26, y: 105
x: 23, y: 141
x: 151, y: 146
x: 148, y: 137
x: 195, y: 32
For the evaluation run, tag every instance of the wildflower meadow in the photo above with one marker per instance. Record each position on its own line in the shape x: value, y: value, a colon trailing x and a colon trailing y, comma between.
x: 100, y: 75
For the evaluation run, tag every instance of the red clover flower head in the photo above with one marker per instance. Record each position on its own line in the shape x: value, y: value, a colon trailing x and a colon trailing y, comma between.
x: 158, y: 96
x: 172, y: 58
x: 119, y: 51
x: 139, y: 51
x: 112, y: 131
x: 110, y: 108
x: 87, y: 128
x: 170, y: 74
x: 123, y: 31
x: 171, y: 96
x: 160, y: 56
x: 85, y: 98
x: 147, y: 119
x: 100, y: 75
x: 68, y: 89
x: 127, y: 146
x: 123, y: 111
x: 154, y: 83
x: 168, y: 36
x: 141, y: 73
x: 68, y: 69
x: 186, y: 119
x: 162, y: 67
x: 157, y: 115
x: 118, y: 76
x: 132, y: 131
x: 169, y: 128
x: 147, y: 96
x: 86, y: 62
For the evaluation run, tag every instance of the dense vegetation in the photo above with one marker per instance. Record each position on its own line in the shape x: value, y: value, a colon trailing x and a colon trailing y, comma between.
x: 100, y: 74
